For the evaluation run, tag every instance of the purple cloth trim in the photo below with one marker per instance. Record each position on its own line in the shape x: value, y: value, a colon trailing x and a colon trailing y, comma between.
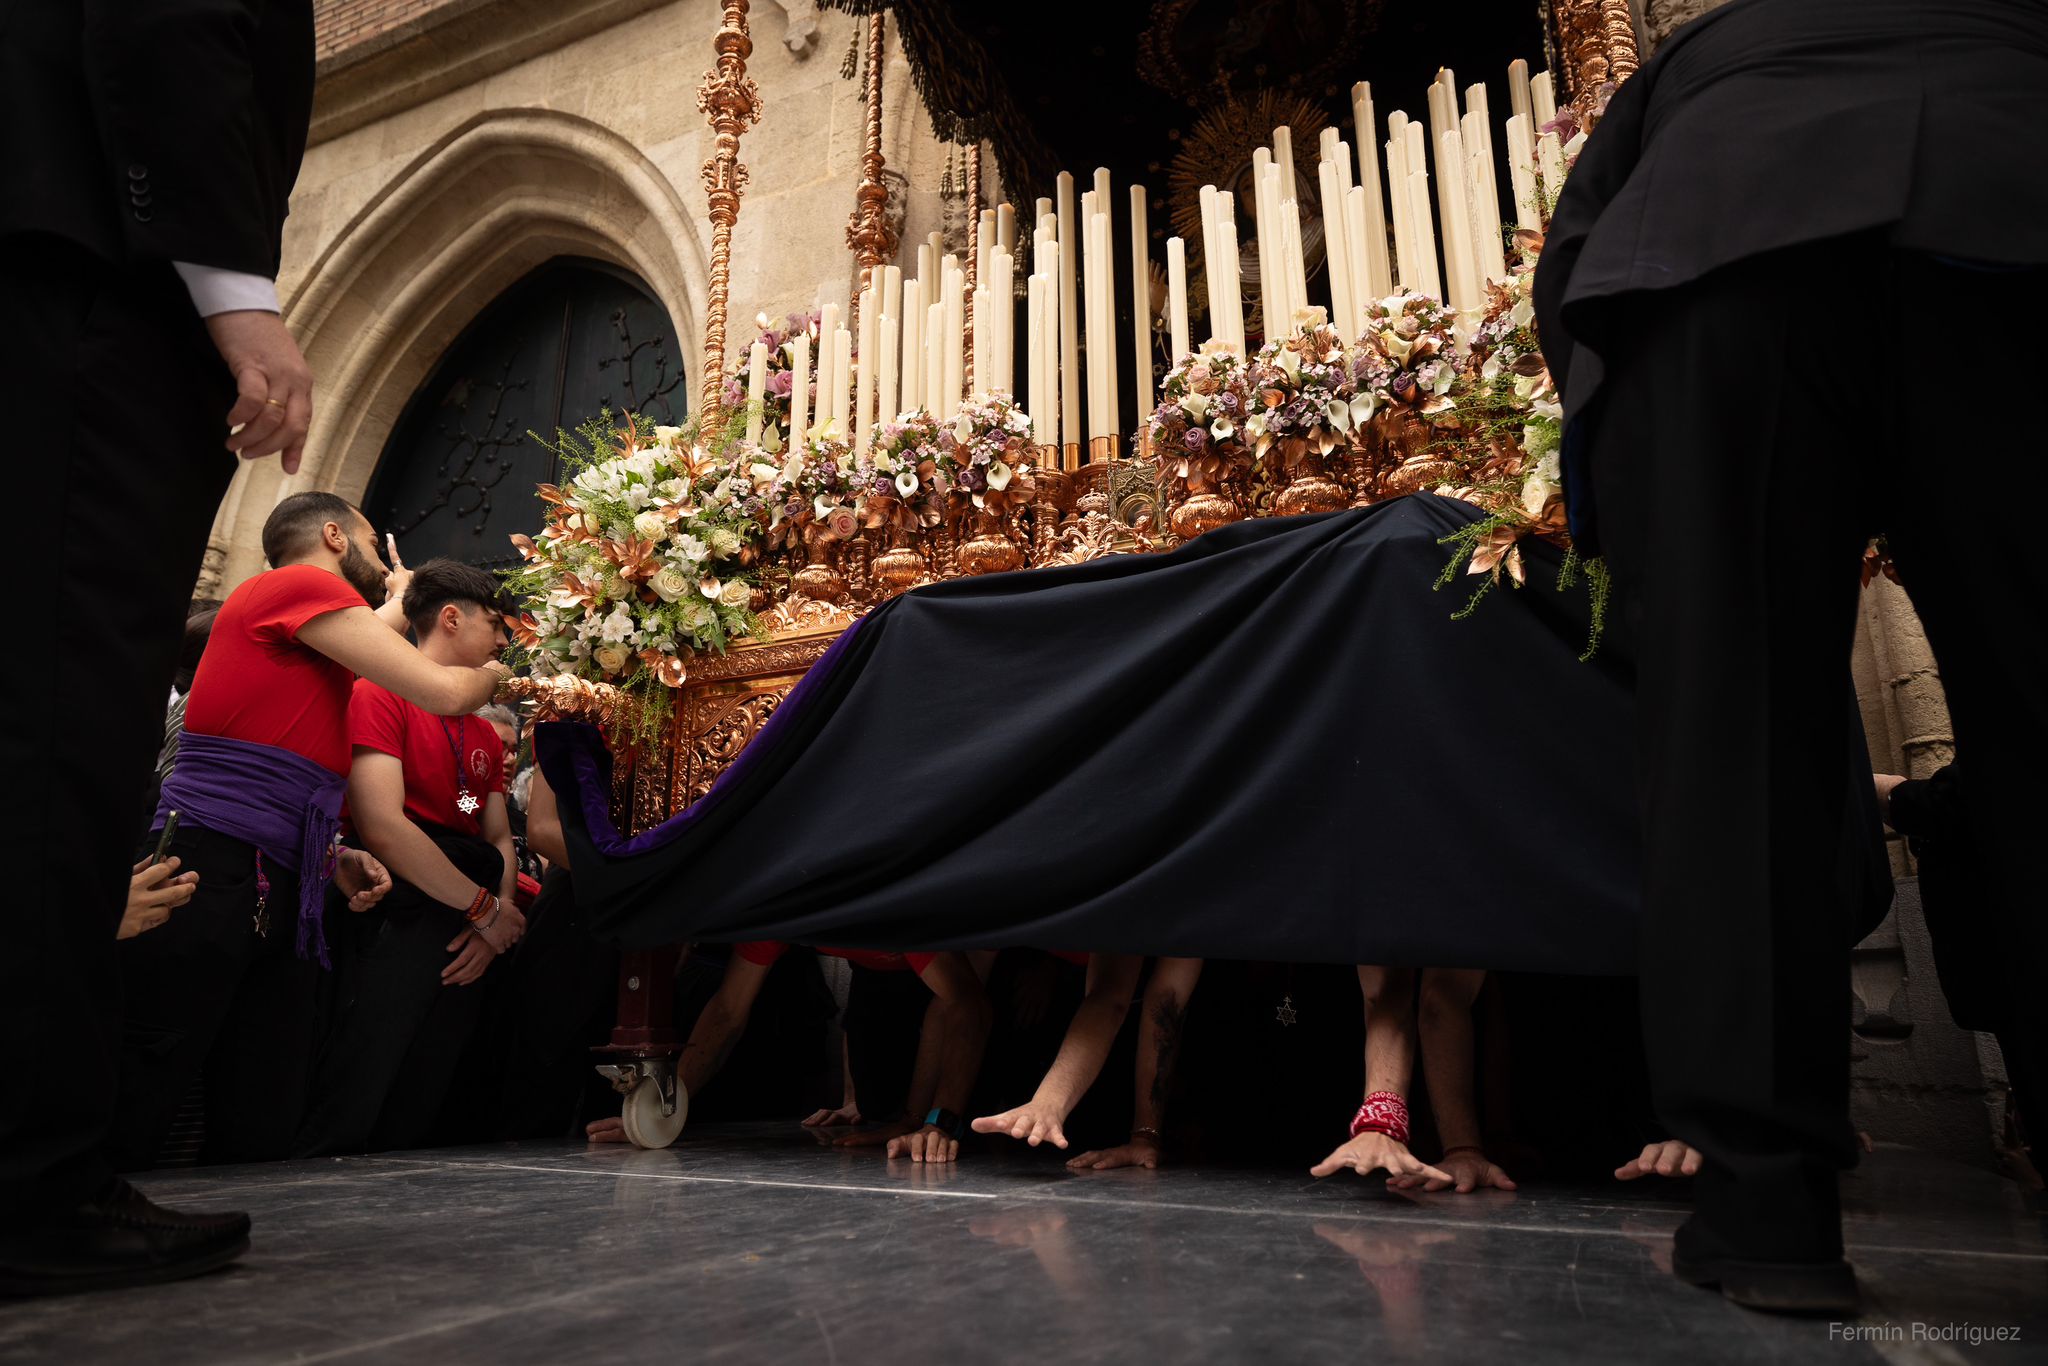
x: 583, y: 762
x: 283, y: 803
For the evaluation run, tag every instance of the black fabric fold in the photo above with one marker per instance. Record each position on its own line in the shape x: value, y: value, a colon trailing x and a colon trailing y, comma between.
x: 1272, y: 743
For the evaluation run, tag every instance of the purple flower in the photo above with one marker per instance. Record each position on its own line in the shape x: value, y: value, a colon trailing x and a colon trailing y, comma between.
x: 781, y: 382
x: 973, y: 480
x: 1195, y: 439
x: 735, y: 393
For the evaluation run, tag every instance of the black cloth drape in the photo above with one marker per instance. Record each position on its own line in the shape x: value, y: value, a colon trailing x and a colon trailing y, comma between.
x: 1272, y: 743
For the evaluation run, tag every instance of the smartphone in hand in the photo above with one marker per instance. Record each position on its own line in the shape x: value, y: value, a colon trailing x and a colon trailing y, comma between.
x: 163, y: 841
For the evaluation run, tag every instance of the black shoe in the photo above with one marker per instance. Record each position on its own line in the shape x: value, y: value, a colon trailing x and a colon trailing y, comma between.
x: 1822, y: 1286
x: 118, y: 1238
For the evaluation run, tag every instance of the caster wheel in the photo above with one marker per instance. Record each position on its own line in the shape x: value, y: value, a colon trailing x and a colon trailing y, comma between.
x: 646, y: 1125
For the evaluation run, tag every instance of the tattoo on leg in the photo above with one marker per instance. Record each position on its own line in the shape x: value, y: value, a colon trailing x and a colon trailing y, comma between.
x: 1168, y: 1017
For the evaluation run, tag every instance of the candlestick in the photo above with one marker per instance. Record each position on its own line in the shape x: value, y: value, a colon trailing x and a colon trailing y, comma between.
x: 800, y: 389
x: 864, y: 376
x: 1177, y: 297
x: 1070, y: 326
x: 1378, y: 268
x: 913, y: 348
x: 757, y: 386
x: 1141, y: 305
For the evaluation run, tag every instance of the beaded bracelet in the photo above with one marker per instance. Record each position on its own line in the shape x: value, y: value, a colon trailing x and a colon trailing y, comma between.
x: 479, y: 904
x: 1384, y: 1112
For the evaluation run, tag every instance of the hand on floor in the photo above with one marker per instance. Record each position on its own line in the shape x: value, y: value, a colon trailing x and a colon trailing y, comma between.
x: 846, y: 1114
x: 1469, y: 1170
x: 1139, y: 1152
x: 929, y: 1144
x: 1371, y: 1152
x: 612, y: 1130
x: 1669, y: 1158
x: 1035, y: 1122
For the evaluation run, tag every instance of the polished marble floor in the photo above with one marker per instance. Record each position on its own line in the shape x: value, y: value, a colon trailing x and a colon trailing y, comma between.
x: 753, y: 1243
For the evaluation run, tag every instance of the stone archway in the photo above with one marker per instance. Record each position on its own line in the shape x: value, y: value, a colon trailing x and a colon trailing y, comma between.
x: 472, y: 214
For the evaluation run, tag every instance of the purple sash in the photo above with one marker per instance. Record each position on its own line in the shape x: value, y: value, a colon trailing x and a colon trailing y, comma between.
x: 283, y: 803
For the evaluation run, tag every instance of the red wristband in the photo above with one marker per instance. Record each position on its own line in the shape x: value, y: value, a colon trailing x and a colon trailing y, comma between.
x: 1384, y: 1112
x: 481, y: 906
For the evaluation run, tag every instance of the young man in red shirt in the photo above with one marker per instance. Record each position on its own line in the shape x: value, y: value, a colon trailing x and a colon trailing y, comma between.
x: 228, y: 984
x: 426, y: 798
x: 950, y: 1042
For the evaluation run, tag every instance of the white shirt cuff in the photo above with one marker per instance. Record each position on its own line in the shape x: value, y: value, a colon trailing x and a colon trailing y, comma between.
x: 214, y: 290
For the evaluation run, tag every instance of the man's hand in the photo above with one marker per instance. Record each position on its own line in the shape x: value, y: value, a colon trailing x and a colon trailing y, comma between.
x: 154, y: 891
x: 506, y: 930
x: 274, y: 387
x: 362, y: 879
x: 880, y: 1134
x: 929, y: 1144
x: 1035, y: 1123
x: 473, y: 953
x: 1371, y: 1152
x: 612, y: 1130
x: 400, y: 577
x: 833, y: 1119
x: 1669, y: 1158
x: 1139, y: 1152
x: 1469, y: 1171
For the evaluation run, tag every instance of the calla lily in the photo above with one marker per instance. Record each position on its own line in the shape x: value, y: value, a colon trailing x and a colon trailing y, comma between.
x: 1338, y: 413
x: 1363, y: 406
x: 998, y: 476
x: 1310, y: 315
x: 709, y: 586
x: 793, y: 468
x: 906, y: 483
x: 1195, y: 405
x: 963, y: 430
x: 1222, y: 429
x: 771, y: 439
x: 821, y: 507
x: 1289, y: 361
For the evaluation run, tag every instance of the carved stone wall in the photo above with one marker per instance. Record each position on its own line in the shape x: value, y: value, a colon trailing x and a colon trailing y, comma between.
x: 458, y: 144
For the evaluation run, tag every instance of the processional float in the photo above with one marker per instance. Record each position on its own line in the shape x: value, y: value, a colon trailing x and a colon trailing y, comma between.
x: 687, y: 577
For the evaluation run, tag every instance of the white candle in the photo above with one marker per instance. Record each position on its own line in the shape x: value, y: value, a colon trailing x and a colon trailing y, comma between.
x: 1177, y: 297
x: 800, y: 389
x: 1107, y: 208
x: 864, y: 381
x: 1542, y: 100
x: 1034, y: 356
x: 1212, y: 259
x: 828, y: 322
x: 1283, y: 157
x: 1336, y: 243
x: 1297, y: 271
x: 757, y: 386
x: 1522, y: 172
x: 1550, y: 160
x: 1070, y: 329
x: 1141, y: 306
x: 1422, y: 235
x: 1006, y: 227
x: 984, y: 343
x: 1484, y: 185
x: 1265, y: 239
x: 1003, y: 290
x: 1049, y: 356
x: 1091, y: 304
x: 891, y: 302
x: 842, y: 367
x: 954, y: 341
x: 1040, y: 207
x: 927, y: 283
x: 913, y: 348
x: 984, y: 242
x: 1365, y: 294
x: 1518, y: 89
x: 1404, y: 263
x: 885, y: 372
x: 1378, y: 269
x: 1233, y: 284
x: 1462, y: 273
x: 934, y: 395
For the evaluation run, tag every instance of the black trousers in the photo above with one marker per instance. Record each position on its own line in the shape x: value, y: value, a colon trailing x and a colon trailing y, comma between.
x: 114, y: 398
x: 398, y: 1033
x: 209, y: 995
x: 1759, y: 425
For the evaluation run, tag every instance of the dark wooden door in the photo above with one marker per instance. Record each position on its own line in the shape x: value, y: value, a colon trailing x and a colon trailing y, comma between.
x: 575, y: 336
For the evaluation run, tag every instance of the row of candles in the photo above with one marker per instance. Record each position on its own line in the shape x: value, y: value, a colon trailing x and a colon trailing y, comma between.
x: 1380, y: 236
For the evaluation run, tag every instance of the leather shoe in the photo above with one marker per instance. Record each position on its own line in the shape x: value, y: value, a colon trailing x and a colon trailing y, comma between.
x: 118, y: 1238
x: 1821, y: 1286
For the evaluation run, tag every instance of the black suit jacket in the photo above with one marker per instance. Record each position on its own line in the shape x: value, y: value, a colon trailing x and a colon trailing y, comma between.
x: 1771, y: 123
x: 155, y: 129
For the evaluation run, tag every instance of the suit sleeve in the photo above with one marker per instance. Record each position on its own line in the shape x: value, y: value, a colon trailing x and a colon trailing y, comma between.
x: 173, y: 86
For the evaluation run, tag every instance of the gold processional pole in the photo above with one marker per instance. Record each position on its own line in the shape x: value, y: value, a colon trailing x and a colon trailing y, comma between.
x: 729, y: 100
x: 868, y: 231
x: 1598, y: 41
x: 972, y: 248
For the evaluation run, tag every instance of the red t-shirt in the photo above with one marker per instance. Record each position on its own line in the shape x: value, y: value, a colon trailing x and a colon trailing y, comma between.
x: 257, y: 683
x: 766, y: 951
x: 430, y: 747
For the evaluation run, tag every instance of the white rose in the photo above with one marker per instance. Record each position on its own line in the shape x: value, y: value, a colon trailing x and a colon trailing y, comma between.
x: 669, y: 583
x: 724, y: 542
x: 612, y: 658
x: 735, y: 594
x: 667, y: 436
x: 649, y: 526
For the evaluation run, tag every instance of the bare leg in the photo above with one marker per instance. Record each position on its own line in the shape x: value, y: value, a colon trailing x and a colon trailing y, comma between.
x: 1444, y: 1014
x: 1389, y: 1066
